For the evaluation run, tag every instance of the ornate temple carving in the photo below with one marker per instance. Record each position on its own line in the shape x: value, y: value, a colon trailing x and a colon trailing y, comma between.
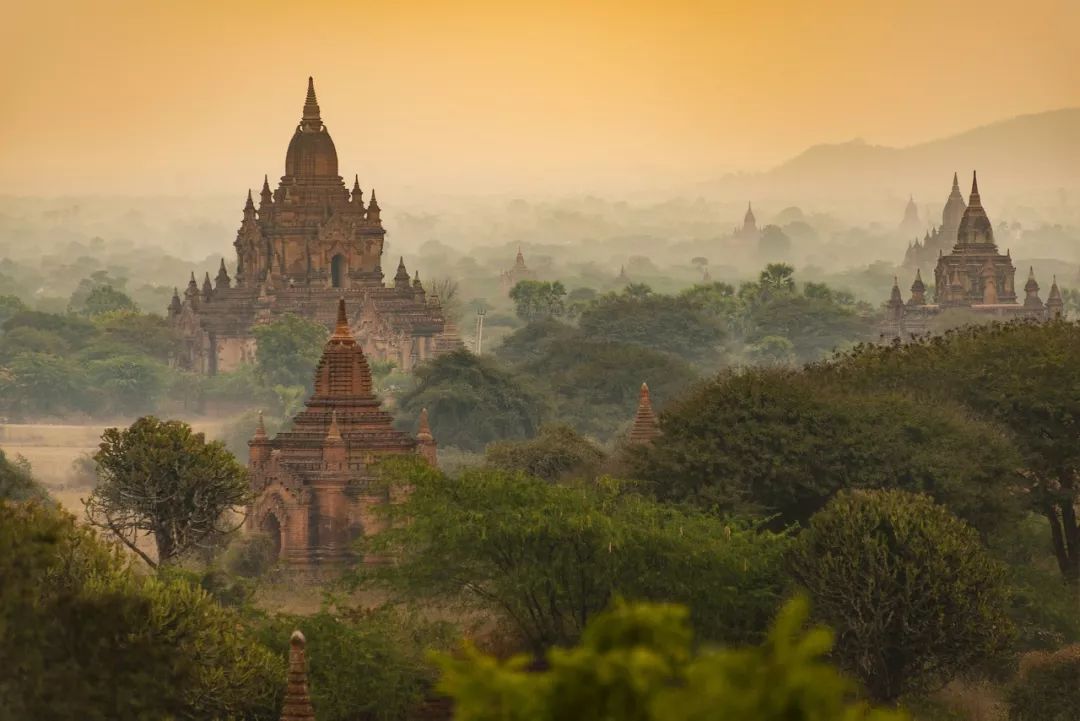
x: 309, y: 242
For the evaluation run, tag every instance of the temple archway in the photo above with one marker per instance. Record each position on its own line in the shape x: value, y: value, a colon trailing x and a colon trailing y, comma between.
x: 337, y: 271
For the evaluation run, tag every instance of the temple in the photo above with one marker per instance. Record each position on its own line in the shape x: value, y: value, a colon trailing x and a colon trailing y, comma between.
x: 313, y: 484
x: 941, y: 239
x: 973, y: 276
x: 520, y: 271
x: 309, y: 242
x: 749, y: 229
x: 911, y: 224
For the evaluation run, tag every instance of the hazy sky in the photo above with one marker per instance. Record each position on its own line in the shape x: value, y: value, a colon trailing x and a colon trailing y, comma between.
x: 199, y: 96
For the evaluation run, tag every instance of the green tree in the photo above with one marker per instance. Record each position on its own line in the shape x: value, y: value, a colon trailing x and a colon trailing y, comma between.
x: 534, y: 299
x: 288, y: 349
x: 362, y: 664
x: 31, y: 340
x: 43, y: 383
x: 159, y: 478
x: 557, y: 452
x: 637, y: 662
x: 131, y: 384
x: 131, y: 333
x: 81, y: 636
x: 777, y: 279
x: 670, y: 324
x: 778, y: 442
x: 75, y: 331
x: 472, y: 401
x: 912, y: 594
x: 17, y: 482
x: 9, y: 306
x: 594, y: 384
x: 106, y: 299
x: 546, y: 557
x: 1022, y: 376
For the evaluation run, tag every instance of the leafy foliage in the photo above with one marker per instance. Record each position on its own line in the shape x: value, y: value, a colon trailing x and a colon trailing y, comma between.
x: 362, y: 664
x: 471, y: 401
x: 535, y: 299
x: 556, y: 452
x: 1023, y: 376
x: 16, y: 481
x: 637, y: 663
x: 83, y: 637
x: 671, y: 324
x: 912, y: 595
x: 773, y: 441
x: 160, y: 478
x: 288, y: 349
x: 545, y: 557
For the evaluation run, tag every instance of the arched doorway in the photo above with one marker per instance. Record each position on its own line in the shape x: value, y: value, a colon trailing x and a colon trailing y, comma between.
x: 271, y: 527
x: 337, y: 271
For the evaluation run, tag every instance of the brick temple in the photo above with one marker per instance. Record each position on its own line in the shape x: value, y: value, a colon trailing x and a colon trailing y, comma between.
x: 973, y: 276
x: 314, y: 483
x: 308, y: 243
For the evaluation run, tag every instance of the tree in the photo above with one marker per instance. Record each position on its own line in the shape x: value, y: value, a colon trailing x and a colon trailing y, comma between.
x: 16, y: 481
x: 909, y: 589
x: 535, y: 299
x: 160, y: 478
x: 774, y: 242
x: 594, y: 383
x: 81, y: 636
x: 777, y: 279
x: 1019, y: 375
x: 670, y: 324
x: 43, y: 383
x: 557, y: 452
x: 9, y: 306
x: 472, y: 401
x: 106, y: 299
x: 544, y: 558
x: 132, y: 384
x: 778, y: 442
x: 637, y: 662
x: 369, y: 665
x: 288, y: 349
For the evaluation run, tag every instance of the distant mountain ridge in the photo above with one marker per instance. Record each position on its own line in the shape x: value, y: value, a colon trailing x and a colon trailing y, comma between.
x: 1019, y: 157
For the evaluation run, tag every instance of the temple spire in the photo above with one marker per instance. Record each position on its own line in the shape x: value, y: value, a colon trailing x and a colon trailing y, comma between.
x: 425, y: 441
x: 341, y: 327
x: 333, y: 433
x: 311, y: 105
x: 644, y: 429
x: 297, y: 705
x: 955, y: 182
x: 266, y: 197
x: 249, y: 207
x: 260, y: 429
x: 975, y: 199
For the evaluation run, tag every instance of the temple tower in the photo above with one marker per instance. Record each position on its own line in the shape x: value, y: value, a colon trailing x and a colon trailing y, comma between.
x: 645, y: 428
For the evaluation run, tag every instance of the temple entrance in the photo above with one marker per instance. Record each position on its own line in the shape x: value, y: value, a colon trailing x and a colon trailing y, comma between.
x: 337, y: 271
x: 271, y: 527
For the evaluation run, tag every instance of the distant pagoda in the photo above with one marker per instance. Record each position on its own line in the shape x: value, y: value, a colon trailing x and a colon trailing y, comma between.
x: 308, y: 243
x: 974, y: 276
x: 939, y: 240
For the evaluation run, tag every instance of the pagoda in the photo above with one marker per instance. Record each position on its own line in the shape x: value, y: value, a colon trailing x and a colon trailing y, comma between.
x: 313, y: 484
x: 974, y: 276
x: 307, y: 243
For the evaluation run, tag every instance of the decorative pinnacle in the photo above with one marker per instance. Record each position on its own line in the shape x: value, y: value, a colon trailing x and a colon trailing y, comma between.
x: 341, y: 328
x: 423, y: 432
x: 955, y: 182
x: 260, y: 429
x: 297, y: 703
x: 311, y: 106
x: 974, y: 199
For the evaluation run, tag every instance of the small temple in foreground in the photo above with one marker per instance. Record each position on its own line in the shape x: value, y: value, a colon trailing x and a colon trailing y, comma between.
x: 973, y: 276
x: 307, y: 243
x: 645, y: 429
x: 314, y: 483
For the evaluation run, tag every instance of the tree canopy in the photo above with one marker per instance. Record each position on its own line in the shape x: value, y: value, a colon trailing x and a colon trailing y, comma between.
x: 160, y: 478
x: 907, y: 586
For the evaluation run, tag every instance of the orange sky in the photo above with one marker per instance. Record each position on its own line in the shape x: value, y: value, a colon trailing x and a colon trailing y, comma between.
x: 198, y: 96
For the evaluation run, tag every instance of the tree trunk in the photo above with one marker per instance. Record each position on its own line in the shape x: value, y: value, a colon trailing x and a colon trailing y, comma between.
x: 1065, y: 536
